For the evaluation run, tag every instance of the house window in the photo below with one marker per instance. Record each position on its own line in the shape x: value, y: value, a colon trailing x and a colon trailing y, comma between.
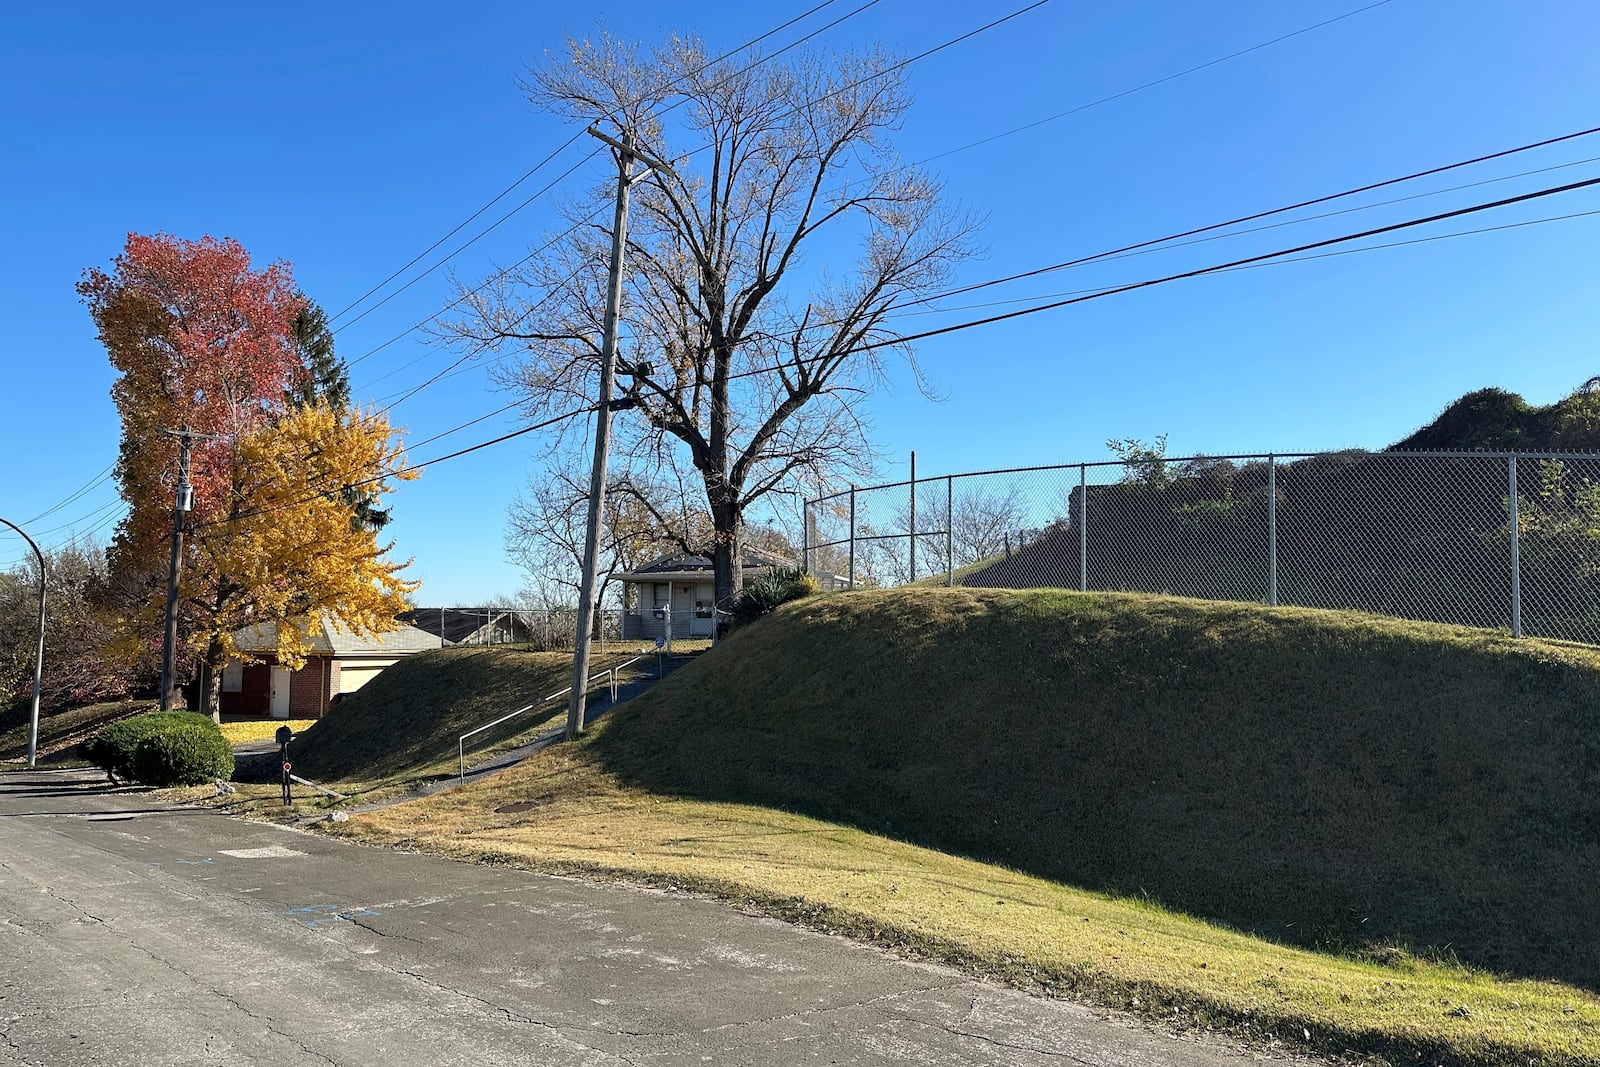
x: 663, y: 594
x: 233, y: 676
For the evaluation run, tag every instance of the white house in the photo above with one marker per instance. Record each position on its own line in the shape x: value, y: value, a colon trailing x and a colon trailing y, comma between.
x: 684, y: 582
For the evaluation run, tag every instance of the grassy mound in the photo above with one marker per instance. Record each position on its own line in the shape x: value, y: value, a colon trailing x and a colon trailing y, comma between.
x: 407, y: 719
x: 61, y: 731
x: 1321, y: 779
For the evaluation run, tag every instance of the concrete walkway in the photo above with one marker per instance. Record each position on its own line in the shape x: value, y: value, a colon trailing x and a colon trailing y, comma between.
x: 134, y: 933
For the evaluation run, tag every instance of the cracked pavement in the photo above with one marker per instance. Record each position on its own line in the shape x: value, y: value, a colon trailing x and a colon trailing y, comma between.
x: 133, y: 933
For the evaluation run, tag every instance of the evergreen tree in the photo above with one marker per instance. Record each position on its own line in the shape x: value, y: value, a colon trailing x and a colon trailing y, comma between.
x: 327, y: 379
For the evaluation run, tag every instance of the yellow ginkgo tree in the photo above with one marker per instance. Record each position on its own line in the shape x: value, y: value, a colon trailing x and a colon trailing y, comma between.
x: 293, y: 550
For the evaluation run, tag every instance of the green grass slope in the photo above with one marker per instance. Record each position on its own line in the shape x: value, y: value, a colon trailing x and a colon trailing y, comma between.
x: 60, y: 731
x: 407, y: 719
x: 1323, y: 779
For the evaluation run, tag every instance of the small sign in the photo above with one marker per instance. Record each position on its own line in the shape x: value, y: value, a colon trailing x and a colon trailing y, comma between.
x: 661, y: 642
x: 288, y: 766
x: 285, y: 735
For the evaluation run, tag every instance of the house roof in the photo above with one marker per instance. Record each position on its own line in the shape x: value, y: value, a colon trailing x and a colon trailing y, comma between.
x: 686, y: 566
x: 331, y: 639
x: 456, y: 625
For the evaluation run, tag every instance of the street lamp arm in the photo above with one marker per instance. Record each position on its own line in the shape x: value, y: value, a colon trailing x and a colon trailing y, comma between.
x: 38, y: 663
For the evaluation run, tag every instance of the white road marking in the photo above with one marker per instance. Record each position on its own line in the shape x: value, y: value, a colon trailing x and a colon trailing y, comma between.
x: 270, y: 852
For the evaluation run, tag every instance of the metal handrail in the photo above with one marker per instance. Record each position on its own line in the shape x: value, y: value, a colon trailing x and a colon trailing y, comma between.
x: 461, y: 742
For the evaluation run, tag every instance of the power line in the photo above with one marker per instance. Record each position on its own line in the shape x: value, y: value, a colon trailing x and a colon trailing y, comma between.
x: 1071, y: 111
x: 876, y: 74
x: 1279, y: 210
x: 1282, y: 255
x: 1159, y: 81
x: 547, y: 159
x: 406, y: 469
x: 1263, y: 257
x: 78, y: 493
x: 1169, y: 240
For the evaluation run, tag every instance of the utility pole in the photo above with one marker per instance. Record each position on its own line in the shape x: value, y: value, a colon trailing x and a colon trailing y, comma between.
x: 626, y: 154
x: 183, y: 505
x: 38, y: 662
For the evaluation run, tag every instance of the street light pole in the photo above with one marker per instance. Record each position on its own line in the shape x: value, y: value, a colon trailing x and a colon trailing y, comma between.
x: 626, y: 154
x: 38, y: 662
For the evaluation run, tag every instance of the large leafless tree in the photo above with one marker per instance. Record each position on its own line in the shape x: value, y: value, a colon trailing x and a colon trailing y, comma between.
x: 756, y: 272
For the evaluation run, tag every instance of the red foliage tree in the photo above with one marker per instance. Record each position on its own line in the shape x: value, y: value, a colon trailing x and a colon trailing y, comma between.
x: 203, y: 340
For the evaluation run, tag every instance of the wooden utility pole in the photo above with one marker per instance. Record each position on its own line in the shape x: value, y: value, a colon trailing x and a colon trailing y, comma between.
x: 182, y: 506
x: 626, y: 154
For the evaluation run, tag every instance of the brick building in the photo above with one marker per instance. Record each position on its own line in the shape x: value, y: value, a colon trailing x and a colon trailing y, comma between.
x: 338, y: 662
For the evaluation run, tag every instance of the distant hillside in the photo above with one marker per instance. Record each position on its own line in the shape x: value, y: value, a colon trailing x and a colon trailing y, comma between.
x: 1493, y: 420
x: 1317, y: 777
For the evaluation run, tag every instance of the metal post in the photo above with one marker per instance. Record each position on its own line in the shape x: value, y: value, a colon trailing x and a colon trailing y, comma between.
x: 1083, y: 528
x: 805, y: 551
x: 913, y: 516
x: 949, y: 532
x: 626, y: 154
x: 1516, y: 554
x: 1272, y: 530
x: 852, y: 537
x: 38, y: 661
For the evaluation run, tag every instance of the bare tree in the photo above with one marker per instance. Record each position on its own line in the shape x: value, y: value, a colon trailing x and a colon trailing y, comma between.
x: 983, y: 521
x: 545, y: 531
x: 740, y: 357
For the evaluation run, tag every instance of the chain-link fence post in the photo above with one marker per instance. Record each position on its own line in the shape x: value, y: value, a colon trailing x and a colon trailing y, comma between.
x: 1272, y: 530
x: 805, y: 542
x: 949, y: 532
x: 852, y: 537
x: 1516, y: 552
x: 1083, y: 528
x: 913, y: 530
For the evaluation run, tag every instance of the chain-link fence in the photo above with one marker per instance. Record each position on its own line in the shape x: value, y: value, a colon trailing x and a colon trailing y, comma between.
x: 537, y: 628
x: 1480, y: 539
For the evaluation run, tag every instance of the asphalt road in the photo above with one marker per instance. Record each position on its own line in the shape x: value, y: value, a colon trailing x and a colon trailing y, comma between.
x: 138, y: 934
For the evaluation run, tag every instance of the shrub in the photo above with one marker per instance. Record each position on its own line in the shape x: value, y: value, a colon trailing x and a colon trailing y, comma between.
x: 112, y: 748
x: 182, y: 749
x: 765, y: 592
x: 186, y: 753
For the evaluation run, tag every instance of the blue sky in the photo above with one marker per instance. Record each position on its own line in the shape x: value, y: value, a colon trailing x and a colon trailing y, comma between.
x: 346, y: 138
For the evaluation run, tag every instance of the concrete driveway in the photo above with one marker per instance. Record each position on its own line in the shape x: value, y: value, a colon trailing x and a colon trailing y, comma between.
x: 134, y: 933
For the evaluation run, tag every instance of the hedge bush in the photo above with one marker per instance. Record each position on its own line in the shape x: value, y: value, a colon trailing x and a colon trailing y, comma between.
x: 188, y: 753
x: 162, y: 748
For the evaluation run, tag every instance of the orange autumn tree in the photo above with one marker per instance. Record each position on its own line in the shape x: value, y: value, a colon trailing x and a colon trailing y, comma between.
x: 204, y: 341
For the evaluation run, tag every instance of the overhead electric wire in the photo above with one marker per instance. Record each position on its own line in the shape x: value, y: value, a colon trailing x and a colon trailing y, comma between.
x: 1159, y: 81
x: 1280, y: 210
x: 1175, y: 240
x: 78, y: 493
x: 1292, y: 254
x: 1277, y: 262
x: 398, y: 471
x: 1247, y: 260
x: 811, y: 103
x: 547, y: 159
x: 1080, y: 108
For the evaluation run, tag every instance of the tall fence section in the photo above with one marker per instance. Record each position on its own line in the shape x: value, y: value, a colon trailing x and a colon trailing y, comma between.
x: 1500, y: 540
x: 538, y: 628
